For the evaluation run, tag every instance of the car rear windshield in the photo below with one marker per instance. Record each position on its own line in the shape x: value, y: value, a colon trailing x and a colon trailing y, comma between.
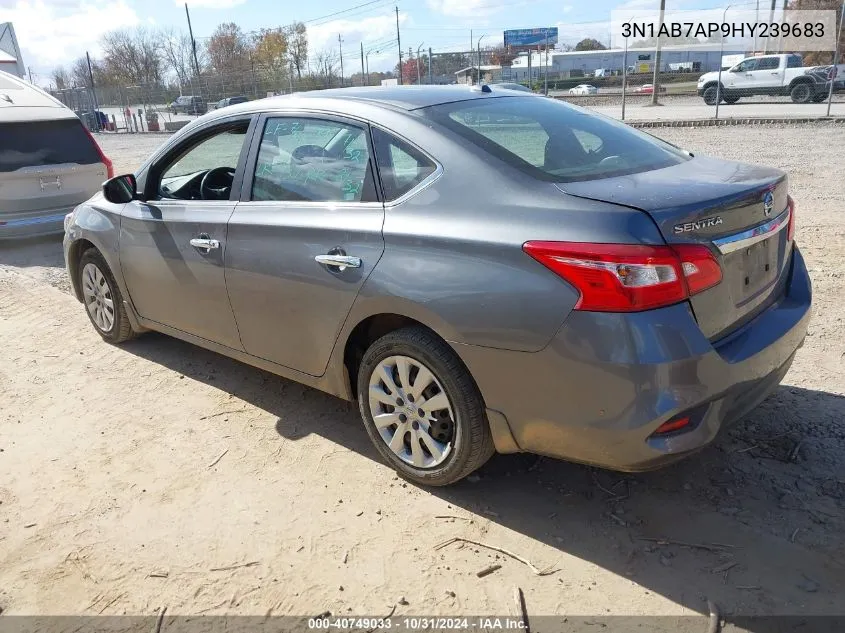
x: 554, y: 141
x: 39, y: 143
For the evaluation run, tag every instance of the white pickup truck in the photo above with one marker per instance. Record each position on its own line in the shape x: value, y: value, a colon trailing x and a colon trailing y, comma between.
x: 773, y: 75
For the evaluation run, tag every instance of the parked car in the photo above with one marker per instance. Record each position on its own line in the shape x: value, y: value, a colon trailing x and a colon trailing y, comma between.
x: 768, y: 75
x: 188, y: 105
x: 512, y: 86
x: 648, y: 89
x: 49, y: 161
x: 230, y: 101
x: 563, y: 285
x: 583, y: 90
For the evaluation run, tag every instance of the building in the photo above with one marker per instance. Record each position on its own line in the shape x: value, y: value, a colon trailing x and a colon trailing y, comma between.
x: 490, y: 73
x: 698, y: 59
x: 11, y: 60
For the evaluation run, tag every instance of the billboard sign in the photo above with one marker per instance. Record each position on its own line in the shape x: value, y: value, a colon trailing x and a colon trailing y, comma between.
x: 531, y: 37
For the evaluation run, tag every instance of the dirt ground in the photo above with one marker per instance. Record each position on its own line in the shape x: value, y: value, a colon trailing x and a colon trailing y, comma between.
x: 159, y: 474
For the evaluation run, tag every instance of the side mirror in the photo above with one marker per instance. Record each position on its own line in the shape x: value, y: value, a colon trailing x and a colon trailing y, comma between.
x: 120, y: 189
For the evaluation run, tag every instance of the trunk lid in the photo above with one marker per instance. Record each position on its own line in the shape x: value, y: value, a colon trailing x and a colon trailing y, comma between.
x: 739, y: 211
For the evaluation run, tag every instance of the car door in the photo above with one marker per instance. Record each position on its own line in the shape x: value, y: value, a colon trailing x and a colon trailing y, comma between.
x: 173, y: 243
x: 739, y: 77
x: 767, y: 73
x: 304, y: 238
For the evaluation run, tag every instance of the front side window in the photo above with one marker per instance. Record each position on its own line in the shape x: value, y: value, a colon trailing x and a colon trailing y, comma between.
x: 553, y: 141
x: 313, y: 160
x: 205, y: 170
x: 401, y: 166
x: 747, y: 66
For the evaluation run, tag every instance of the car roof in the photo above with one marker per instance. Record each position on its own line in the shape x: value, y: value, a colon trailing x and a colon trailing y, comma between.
x: 393, y: 97
x: 21, y: 101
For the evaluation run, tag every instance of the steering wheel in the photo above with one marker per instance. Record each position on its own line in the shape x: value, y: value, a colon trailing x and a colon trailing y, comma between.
x: 217, y: 183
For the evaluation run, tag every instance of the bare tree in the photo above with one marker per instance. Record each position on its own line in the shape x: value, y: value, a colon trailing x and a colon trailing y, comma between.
x: 79, y: 77
x: 325, y: 67
x: 134, y: 55
x: 60, y: 77
x: 178, y: 55
x: 298, y: 47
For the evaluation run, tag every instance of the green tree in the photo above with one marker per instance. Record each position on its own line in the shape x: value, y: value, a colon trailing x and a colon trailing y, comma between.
x: 590, y: 44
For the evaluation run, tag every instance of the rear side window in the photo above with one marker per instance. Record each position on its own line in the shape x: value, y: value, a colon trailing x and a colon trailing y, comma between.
x: 313, y: 160
x: 794, y: 61
x: 554, y: 141
x: 43, y: 143
x: 401, y: 166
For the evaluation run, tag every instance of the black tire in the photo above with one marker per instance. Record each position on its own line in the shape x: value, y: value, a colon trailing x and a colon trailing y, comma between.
x: 121, y: 329
x: 711, y: 93
x: 801, y: 93
x: 731, y: 100
x: 471, y: 440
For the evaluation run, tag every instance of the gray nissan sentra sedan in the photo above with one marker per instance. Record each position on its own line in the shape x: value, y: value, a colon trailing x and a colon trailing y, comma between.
x: 481, y: 270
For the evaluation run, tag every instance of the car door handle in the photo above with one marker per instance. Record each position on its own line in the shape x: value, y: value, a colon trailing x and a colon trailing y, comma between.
x: 341, y: 261
x: 204, y: 243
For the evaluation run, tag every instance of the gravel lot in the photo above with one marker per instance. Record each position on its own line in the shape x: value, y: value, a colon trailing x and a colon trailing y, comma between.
x: 114, y: 500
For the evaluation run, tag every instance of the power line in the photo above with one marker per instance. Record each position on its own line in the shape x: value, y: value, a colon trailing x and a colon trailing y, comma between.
x: 329, y: 15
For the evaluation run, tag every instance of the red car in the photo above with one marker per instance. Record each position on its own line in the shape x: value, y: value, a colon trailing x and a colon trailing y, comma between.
x: 648, y: 89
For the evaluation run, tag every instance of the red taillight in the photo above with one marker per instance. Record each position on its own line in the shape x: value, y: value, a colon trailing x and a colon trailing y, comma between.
x: 701, y: 270
x: 790, y: 228
x: 672, y: 425
x: 628, y: 277
x: 103, y: 158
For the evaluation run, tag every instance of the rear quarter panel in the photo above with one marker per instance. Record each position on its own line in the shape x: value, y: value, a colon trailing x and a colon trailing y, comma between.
x: 453, y: 255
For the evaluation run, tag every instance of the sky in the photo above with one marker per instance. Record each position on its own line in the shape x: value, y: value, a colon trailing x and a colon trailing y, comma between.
x: 53, y: 32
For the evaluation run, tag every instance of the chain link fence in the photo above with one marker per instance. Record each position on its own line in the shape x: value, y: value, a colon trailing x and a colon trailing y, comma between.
x: 621, y: 93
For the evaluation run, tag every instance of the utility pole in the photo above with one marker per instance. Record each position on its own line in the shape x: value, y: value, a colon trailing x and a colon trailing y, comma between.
x: 624, y: 77
x: 362, y: 64
x: 93, y: 91
x: 419, y: 80
x: 429, y: 66
x: 340, y: 46
x: 656, y: 81
x: 399, y: 45
x: 193, y: 42
x: 410, y: 59
x: 546, y: 76
x: 30, y: 74
x: 479, y: 57
x: 367, y: 62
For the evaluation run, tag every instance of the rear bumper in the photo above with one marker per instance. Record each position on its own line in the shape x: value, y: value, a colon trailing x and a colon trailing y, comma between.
x: 606, y: 382
x: 34, y: 223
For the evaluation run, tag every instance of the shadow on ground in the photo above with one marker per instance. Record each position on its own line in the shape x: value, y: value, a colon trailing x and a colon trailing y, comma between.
x: 753, y: 522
